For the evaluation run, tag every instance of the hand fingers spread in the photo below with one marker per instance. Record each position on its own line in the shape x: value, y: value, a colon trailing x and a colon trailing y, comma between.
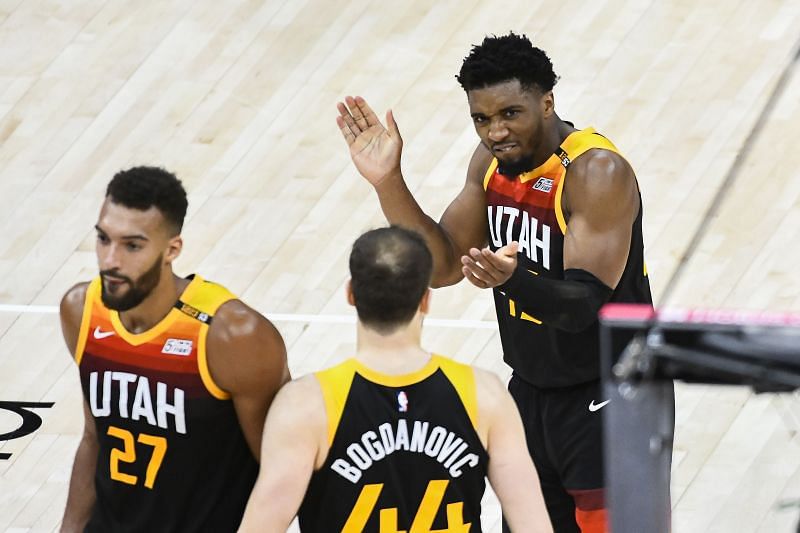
x: 348, y: 135
x: 356, y: 112
x: 348, y: 119
x: 369, y: 115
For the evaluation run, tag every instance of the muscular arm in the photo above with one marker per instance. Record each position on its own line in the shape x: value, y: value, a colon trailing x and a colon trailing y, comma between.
x: 247, y: 358
x: 462, y: 226
x: 376, y: 150
x: 511, y: 471
x: 81, y: 496
x: 294, y: 444
x: 601, y: 202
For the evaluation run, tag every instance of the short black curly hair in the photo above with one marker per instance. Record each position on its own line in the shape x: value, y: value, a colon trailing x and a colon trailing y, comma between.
x: 144, y: 187
x: 505, y: 58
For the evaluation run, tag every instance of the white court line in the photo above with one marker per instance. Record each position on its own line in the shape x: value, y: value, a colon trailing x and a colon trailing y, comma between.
x: 286, y: 317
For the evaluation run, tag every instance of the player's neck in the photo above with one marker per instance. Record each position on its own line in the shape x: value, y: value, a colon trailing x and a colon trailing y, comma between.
x: 396, y: 353
x: 555, y: 131
x: 156, y: 305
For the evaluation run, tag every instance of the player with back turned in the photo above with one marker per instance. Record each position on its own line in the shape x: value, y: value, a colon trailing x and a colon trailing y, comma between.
x: 395, y: 438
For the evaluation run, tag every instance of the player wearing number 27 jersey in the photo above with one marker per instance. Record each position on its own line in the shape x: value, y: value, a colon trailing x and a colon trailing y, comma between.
x: 177, y: 376
x: 393, y: 439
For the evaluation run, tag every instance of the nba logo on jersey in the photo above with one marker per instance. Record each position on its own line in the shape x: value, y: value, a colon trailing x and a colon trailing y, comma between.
x: 177, y: 347
x: 543, y: 184
x: 402, y: 401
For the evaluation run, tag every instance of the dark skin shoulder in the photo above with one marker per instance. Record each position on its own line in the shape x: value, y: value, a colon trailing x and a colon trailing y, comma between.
x: 81, y: 495
x: 247, y: 358
x: 600, y: 203
x: 71, y: 312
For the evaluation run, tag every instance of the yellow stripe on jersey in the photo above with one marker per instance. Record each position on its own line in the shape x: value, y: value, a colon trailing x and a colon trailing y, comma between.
x: 489, y: 173
x: 576, y: 144
x: 335, y: 383
x: 562, y: 222
x: 207, y: 297
x: 202, y: 366
x: 401, y: 380
x: 92, y: 292
x: 463, y: 379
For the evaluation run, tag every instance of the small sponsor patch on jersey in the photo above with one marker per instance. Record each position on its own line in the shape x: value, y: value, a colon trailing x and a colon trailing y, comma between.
x: 402, y: 401
x: 565, y: 161
x: 543, y: 184
x: 177, y: 347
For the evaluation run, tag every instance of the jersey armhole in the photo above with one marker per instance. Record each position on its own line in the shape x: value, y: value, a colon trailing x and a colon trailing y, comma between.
x: 86, y: 318
x: 335, y: 384
x: 570, y: 150
x: 202, y: 366
x: 463, y: 379
x: 206, y: 297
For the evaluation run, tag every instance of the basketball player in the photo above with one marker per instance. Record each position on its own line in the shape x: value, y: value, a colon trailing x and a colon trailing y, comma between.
x: 395, y: 439
x: 177, y: 376
x: 560, y: 211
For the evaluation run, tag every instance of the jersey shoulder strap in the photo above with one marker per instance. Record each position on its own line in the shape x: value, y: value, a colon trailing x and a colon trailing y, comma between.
x: 335, y: 383
x: 463, y: 379
x: 581, y: 142
x: 92, y: 296
x: 203, y: 298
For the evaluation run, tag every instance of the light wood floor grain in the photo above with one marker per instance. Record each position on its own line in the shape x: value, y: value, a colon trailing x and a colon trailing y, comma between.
x: 238, y: 97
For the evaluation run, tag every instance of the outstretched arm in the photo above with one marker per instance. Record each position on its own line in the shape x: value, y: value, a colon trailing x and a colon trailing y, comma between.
x: 601, y: 200
x: 375, y: 151
x: 294, y: 444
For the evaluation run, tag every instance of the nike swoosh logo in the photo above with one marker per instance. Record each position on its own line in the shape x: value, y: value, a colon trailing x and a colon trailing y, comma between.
x: 99, y: 334
x: 594, y: 407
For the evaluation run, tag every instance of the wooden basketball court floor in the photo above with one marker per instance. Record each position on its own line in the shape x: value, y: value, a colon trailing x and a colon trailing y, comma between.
x: 238, y: 98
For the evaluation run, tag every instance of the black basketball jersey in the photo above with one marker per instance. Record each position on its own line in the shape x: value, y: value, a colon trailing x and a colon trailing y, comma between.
x: 404, y: 452
x: 527, y: 208
x: 171, y: 455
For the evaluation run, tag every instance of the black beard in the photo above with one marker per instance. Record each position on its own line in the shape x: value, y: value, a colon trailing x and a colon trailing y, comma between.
x: 138, y: 291
x: 512, y: 169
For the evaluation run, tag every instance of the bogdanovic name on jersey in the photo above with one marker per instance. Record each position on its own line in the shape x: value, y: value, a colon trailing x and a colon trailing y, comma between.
x: 503, y: 217
x: 139, y: 405
x: 443, y: 445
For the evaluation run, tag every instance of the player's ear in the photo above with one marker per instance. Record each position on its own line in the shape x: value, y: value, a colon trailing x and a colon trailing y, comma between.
x: 548, y: 104
x: 348, y: 290
x: 174, y: 247
x: 425, y: 302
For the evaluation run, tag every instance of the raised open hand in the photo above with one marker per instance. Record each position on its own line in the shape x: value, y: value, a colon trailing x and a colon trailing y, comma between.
x: 374, y: 149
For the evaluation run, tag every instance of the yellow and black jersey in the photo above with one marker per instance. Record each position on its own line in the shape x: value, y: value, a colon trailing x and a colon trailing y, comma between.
x: 527, y: 208
x: 171, y: 456
x: 404, y: 452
